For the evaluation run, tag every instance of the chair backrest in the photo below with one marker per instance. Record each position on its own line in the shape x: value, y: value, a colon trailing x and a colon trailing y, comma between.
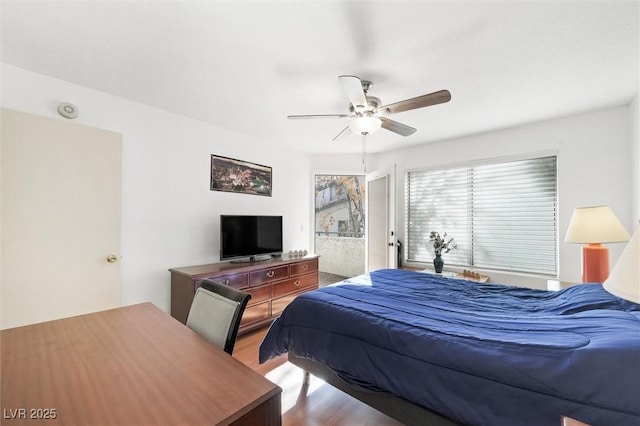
x: 216, y: 312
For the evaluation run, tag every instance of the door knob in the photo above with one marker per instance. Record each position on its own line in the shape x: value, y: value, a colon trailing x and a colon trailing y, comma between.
x: 112, y: 258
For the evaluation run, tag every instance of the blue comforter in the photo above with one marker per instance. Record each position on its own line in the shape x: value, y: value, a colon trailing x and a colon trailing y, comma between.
x: 480, y: 354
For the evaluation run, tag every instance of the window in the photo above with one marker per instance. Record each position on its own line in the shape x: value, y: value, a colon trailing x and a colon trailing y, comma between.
x: 502, y: 215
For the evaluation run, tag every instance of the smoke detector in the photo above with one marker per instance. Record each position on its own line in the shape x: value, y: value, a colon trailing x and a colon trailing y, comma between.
x: 68, y: 110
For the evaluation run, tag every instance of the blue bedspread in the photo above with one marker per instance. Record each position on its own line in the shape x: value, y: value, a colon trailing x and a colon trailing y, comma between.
x: 480, y: 354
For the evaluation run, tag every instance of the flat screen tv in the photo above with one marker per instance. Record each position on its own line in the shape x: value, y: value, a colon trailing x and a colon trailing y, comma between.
x: 250, y: 238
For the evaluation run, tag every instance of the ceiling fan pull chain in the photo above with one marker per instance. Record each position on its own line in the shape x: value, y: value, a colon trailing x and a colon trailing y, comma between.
x: 364, y: 152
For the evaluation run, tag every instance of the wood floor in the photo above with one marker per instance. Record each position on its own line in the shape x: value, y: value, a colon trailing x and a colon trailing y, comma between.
x: 315, y: 404
x: 326, y: 278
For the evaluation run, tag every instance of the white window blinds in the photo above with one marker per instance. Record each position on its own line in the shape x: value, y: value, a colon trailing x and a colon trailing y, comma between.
x: 502, y: 216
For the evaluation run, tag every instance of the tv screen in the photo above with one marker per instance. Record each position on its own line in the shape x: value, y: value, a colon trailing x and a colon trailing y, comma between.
x: 250, y: 236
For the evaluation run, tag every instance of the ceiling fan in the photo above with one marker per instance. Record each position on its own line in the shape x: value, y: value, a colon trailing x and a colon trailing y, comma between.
x: 367, y: 114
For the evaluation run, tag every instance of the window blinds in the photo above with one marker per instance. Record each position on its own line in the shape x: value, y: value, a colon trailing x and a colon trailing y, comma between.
x: 502, y: 216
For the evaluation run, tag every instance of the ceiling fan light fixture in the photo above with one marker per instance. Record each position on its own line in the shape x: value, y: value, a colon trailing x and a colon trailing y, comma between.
x: 365, y: 125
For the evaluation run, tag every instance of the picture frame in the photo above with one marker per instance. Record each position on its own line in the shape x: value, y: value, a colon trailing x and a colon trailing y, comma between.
x: 241, y: 177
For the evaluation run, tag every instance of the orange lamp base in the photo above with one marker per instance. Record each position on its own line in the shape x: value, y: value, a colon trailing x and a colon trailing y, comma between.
x: 595, y: 263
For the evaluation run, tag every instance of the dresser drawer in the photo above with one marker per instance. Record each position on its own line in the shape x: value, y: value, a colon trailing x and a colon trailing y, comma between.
x: 268, y: 275
x: 235, y: 280
x: 256, y: 313
x: 258, y: 294
x: 303, y: 267
x: 294, y: 285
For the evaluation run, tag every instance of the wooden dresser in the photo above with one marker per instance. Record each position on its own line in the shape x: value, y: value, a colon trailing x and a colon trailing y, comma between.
x: 273, y: 284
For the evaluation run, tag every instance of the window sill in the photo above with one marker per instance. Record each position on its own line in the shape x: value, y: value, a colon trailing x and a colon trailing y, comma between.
x: 520, y: 279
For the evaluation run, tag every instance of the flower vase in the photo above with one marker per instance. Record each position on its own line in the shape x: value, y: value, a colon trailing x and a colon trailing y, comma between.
x: 438, y: 263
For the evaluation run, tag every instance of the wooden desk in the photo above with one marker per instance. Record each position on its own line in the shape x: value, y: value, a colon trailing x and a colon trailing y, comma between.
x: 128, y: 366
x: 568, y: 421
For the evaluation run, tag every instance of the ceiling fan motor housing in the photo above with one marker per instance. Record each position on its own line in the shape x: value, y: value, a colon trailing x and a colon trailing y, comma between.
x: 370, y: 109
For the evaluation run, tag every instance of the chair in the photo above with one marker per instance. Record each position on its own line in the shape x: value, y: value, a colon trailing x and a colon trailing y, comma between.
x: 216, y: 312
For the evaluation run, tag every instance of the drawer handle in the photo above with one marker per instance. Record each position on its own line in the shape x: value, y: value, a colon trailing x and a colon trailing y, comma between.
x: 270, y: 274
x: 296, y: 283
x: 305, y: 267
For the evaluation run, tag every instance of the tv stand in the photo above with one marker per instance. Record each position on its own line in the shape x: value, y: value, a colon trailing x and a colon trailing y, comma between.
x: 273, y: 283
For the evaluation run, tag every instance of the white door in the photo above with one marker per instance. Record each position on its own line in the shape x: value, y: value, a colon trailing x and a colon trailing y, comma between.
x: 380, y: 225
x: 61, y: 198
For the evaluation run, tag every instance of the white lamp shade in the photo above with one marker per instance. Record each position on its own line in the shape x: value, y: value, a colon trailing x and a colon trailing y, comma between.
x: 624, y: 279
x: 366, y: 125
x: 595, y: 225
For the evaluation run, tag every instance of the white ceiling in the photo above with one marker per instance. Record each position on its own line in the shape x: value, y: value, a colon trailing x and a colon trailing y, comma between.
x: 247, y: 65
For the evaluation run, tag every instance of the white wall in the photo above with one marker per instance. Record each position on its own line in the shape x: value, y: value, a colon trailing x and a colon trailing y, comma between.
x: 346, y: 164
x: 634, y: 111
x: 170, y: 218
x: 594, y: 168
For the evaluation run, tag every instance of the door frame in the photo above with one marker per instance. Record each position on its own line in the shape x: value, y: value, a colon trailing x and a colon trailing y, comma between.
x: 388, y: 173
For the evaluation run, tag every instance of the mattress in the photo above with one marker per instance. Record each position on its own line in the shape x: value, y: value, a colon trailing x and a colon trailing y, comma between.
x: 479, y: 354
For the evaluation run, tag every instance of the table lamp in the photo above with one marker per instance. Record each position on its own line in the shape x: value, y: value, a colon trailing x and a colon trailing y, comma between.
x: 624, y: 280
x: 594, y: 226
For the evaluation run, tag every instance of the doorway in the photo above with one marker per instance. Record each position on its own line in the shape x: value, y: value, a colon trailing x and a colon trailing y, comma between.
x: 340, y: 218
x: 381, y: 239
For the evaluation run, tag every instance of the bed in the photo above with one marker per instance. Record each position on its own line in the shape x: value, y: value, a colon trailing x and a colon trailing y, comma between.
x: 430, y: 350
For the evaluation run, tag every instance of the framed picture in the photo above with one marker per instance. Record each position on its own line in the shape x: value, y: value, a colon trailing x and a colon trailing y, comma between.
x: 231, y: 175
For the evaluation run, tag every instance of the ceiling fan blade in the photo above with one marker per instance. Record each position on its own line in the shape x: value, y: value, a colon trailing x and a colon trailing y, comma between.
x: 434, y: 98
x: 343, y: 134
x: 399, y: 128
x: 303, y: 116
x: 352, y: 86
